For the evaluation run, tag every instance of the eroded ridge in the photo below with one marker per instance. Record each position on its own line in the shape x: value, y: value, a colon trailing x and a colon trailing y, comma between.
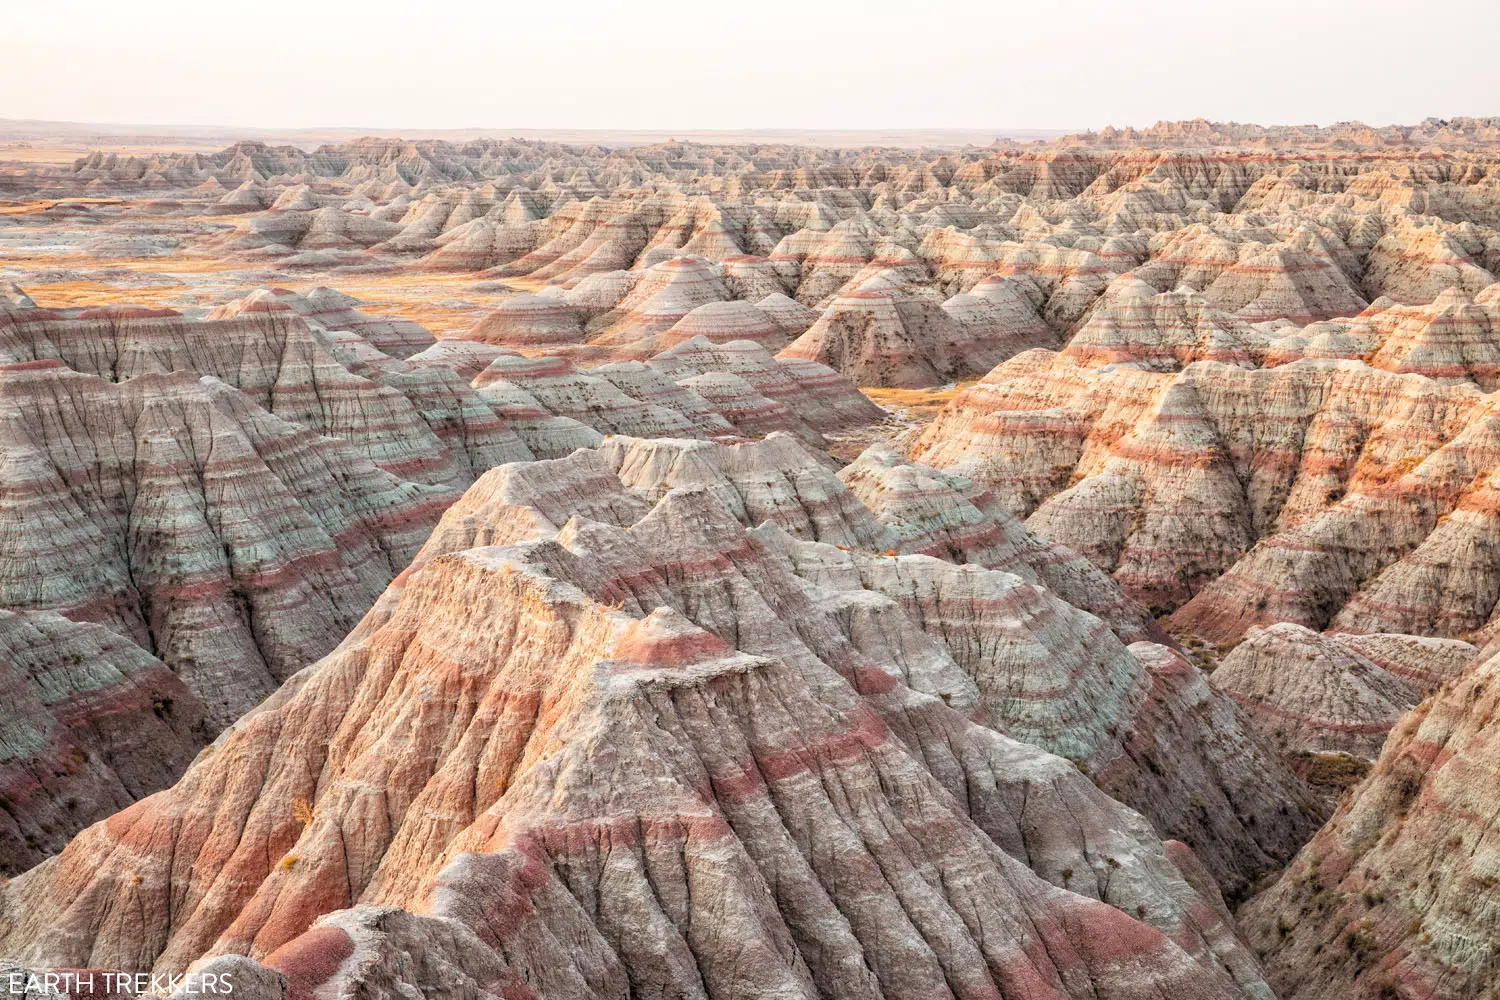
x: 596, y: 724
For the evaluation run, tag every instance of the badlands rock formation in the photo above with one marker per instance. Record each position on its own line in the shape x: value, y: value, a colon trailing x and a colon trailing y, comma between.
x: 231, y: 494
x: 1394, y: 896
x: 697, y: 389
x: 947, y: 516
x: 555, y: 655
x: 330, y: 310
x: 1312, y: 692
x: 417, y: 422
x: 231, y: 544
x: 885, y: 249
x: 750, y: 697
x: 536, y: 321
x: 92, y: 722
x: 1318, y: 492
x: 885, y: 333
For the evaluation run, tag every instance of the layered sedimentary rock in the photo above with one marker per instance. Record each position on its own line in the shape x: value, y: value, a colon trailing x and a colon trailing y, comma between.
x: 1393, y: 897
x: 329, y: 309
x: 981, y: 614
x: 1416, y: 262
x: 574, y: 802
x: 1283, y: 283
x: 945, y: 515
x: 1423, y: 662
x: 661, y: 297
x: 624, y: 315
x: 91, y: 723
x: 1319, y: 492
x: 723, y: 322
x: 755, y: 415
x: 418, y: 422
x: 696, y: 390
x: 691, y: 714
x: 570, y: 392
x: 1133, y: 323
x: 235, y: 546
x: 884, y: 333
x: 791, y: 316
x: 1311, y: 692
x: 1001, y: 312
x: 175, y: 490
x: 1272, y: 233
x: 813, y: 392
x: 530, y: 321
x: 1453, y: 338
x: 817, y: 263
x: 504, y: 234
x: 1450, y: 339
x: 1079, y: 696
x: 776, y: 481
x: 641, y: 380
x: 466, y: 358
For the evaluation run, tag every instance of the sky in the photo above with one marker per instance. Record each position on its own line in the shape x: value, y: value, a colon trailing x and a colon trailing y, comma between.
x: 804, y: 64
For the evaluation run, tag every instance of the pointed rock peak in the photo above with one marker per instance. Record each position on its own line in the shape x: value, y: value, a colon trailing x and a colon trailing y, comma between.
x: 781, y: 302
x: 689, y: 521
x: 324, y: 297
x: 665, y: 639
x: 1451, y: 298
x: 1179, y: 415
x: 880, y: 454
x: 1005, y: 288
x: 1128, y: 287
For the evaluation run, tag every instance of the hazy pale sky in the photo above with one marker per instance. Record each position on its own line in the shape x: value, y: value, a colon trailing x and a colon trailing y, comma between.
x: 673, y: 64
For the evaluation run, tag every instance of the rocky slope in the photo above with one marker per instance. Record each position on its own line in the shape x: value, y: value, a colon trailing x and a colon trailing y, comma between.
x: 697, y: 389
x: 635, y: 715
x: 416, y: 421
x: 883, y: 332
x: 1317, y: 492
x: 1313, y: 693
x: 91, y: 722
x: 231, y: 494
x: 1393, y: 897
x: 231, y: 544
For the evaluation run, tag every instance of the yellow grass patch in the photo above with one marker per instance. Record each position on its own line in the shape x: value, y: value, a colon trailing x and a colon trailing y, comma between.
x: 917, y: 404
